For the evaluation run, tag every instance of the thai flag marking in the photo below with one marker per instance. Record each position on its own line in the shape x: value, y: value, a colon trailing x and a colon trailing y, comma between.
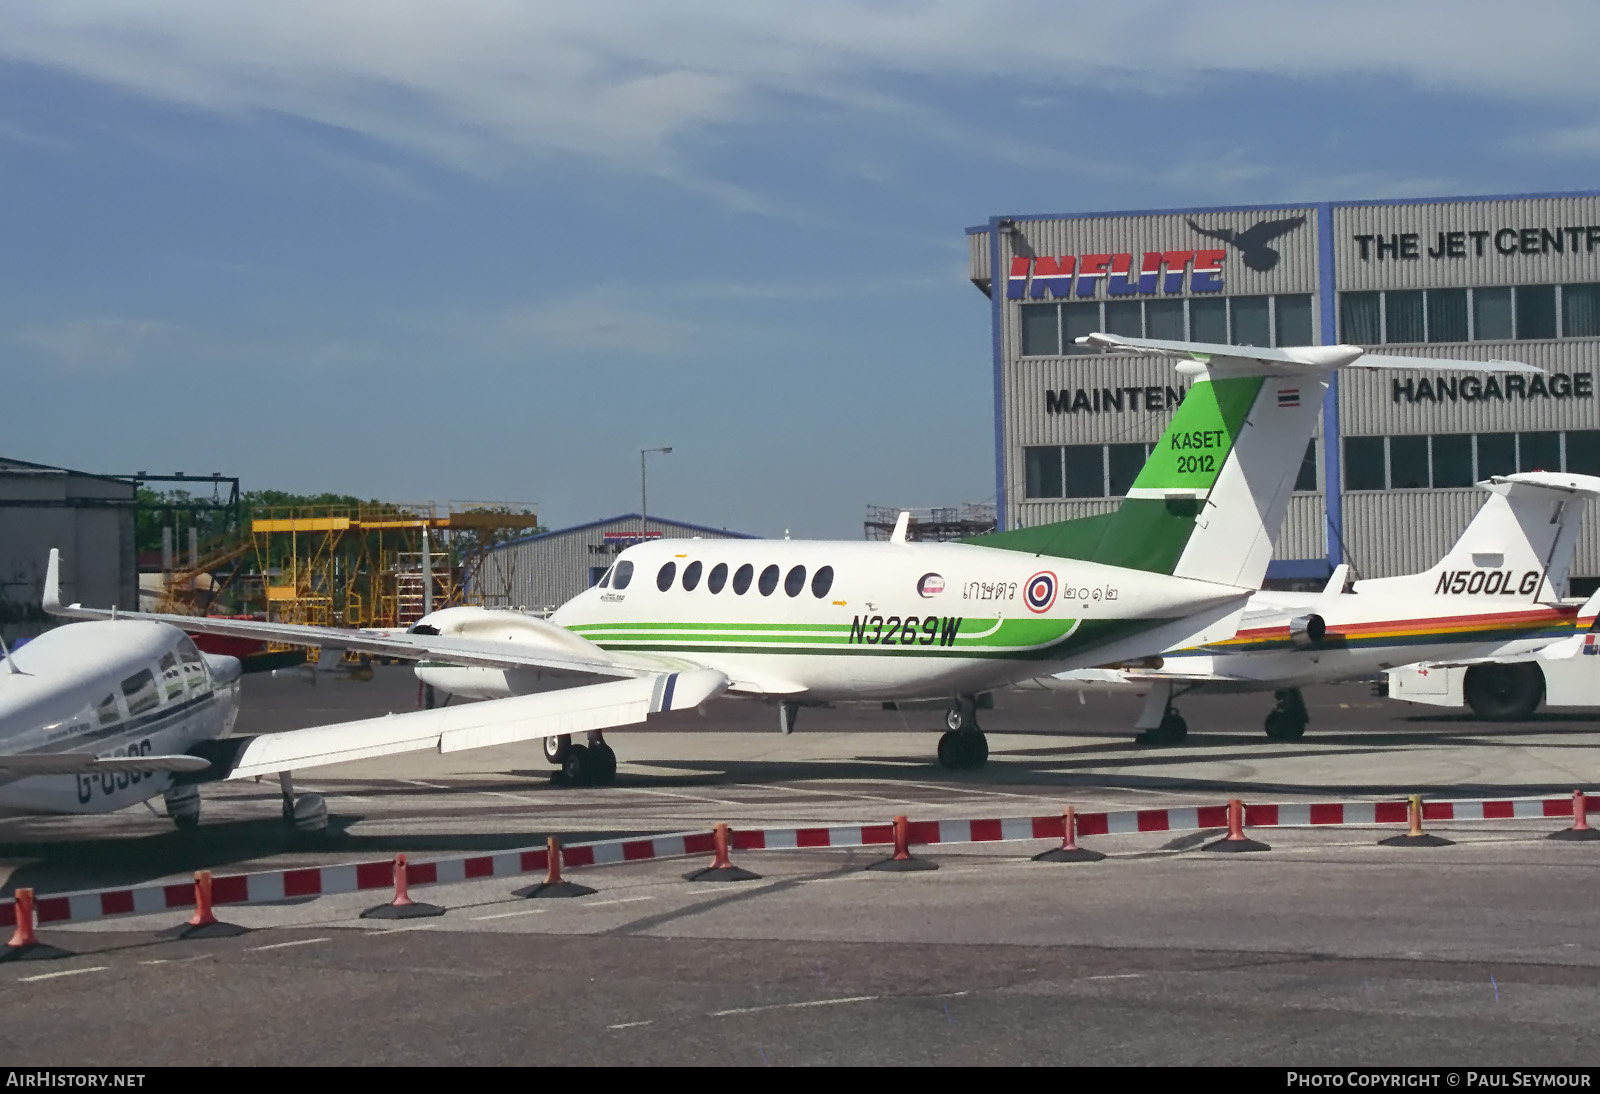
x: 1288, y: 398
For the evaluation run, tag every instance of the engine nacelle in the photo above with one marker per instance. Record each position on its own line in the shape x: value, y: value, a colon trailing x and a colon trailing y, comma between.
x: 1306, y: 631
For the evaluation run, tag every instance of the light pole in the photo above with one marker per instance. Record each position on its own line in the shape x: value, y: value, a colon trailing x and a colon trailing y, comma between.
x: 643, y: 494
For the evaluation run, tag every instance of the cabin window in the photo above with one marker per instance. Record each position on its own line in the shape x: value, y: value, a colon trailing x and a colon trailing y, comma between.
x: 106, y: 712
x: 171, y: 676
x: 622, y: 575
x: 140, y: 691
x: 821, y: 582
x: 717, y: 578
x: 665, y: 575
x: 741, y: 580
x: 795, y: 582
x: 769, y: 580
x: 691, y: 576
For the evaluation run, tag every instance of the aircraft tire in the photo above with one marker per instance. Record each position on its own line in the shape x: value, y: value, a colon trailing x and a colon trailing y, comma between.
x: 575, y: 765
x: 602, y: 765
x: 1282, y: 726
x: 963, y: 749
x: 1172, y: 731
x: 186, y: 822
x: 556, y: 748
x: 1503, y: 692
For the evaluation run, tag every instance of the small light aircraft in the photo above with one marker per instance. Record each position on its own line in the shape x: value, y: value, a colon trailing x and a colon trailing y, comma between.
x: 674, y: 624
x: 1494, y: 594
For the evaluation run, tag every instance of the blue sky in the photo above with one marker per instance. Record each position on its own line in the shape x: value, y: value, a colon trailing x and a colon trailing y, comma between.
x: 489, y: 251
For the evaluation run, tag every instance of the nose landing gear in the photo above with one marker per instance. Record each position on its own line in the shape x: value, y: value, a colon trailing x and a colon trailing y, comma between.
x: 1287, y: 721
x: 183, y: 806
x: 964, y: 746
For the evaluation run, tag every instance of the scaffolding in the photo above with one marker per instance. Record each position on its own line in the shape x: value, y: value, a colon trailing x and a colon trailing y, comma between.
x: 931, y: 525
x: 375, y: 565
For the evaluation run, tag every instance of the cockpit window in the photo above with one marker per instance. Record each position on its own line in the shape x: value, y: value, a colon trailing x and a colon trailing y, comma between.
x: 821, y: 582
x: 769, y: 580
x: 691, y: 576
x: 623, y: 573
x: 106, y: 712
x: 741, y: 580
x: 605, y: 580
x: 665, y: 575
x: 796, y: 581
x: 187, y: 652
x: 718, y: 577
x: 140, y: 691
x: 171, y: 676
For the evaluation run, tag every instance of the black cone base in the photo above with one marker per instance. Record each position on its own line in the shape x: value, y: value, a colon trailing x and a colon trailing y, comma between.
x: 415, y: 910
x: 559, y: 889
x: 1068, y: 854
x: 903, y: 865
x: 218, y: 929
x: 1423, y: 840
x: 36, y: 952
x: 724, y: 873
x: 1236, y: 845
x: 1575, y: 834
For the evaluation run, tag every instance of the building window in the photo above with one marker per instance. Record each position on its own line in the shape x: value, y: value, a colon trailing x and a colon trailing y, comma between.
x: 1408, y: 463
x: 1447, y: 315
x: 1292, y: 320
x: 1252, y: 324
x: 1041, y: 334
x: 1084, y: 475
x: 1306, y: 479
x: 1208, y: 320
x: 1078, y: 320
x: 1364, y: 464
x: 1536, y: 311
x: 1491, y: 315
x: 1125, y: 317
x: 1042, y: 467
x: 1536, y: 451
x: 1164, y: 319
x: 1497, y: 454
x: 597, y: 576
x: 1583, y: 452
x: 1580, y: 311
x: 1124, y: 462
x: 1403, y: 317
x: 1452, y: 460
x: 1361, y: 318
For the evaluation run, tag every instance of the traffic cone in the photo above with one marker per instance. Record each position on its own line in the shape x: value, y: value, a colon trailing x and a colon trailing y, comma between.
x: 1580, y: 829
x: 1069, y: 851
x: 204, y: 923
x: 1236, y: 840
x: 24, y: 944
x: 402, y: 906
x: 721, y: 869
x: 902, y: 860
x: 1415, y: 836
x: 553, y: 885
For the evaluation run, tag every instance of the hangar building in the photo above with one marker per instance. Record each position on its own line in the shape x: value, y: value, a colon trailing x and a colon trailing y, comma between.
x: 89, y: 517
x: 1387, y: 483
x: 544, y: 571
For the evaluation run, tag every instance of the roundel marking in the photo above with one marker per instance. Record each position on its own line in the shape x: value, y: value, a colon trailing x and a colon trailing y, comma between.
x: 1040, y: 592
x: 930, y: 585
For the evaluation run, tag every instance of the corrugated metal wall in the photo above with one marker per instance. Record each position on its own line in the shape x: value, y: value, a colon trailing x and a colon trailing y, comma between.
x: 546, y: 571
x: 1469, y: 269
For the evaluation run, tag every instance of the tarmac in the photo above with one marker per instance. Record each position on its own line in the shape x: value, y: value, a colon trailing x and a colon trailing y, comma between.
x: 1326, y: 950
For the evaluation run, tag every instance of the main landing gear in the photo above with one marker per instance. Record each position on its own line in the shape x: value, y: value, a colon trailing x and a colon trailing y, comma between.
x: 1160, y: 723
x: 306, y: 814
x: 183, y: 806
x: 1287, y: 721
x: 964, y: 746
x: 593, y: 764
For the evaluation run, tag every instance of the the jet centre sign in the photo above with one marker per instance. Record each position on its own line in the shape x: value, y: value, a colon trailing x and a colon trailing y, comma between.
x: 1169, y: 271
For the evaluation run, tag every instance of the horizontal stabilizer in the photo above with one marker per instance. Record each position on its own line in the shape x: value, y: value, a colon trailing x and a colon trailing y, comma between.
x: 1308, y: 357
x: 77, y: 763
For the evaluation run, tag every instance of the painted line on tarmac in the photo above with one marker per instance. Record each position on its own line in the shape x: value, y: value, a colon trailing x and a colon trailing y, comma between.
x: 623, y: 900
x: 631, y: 1025
x: 958, y: 789
x: 508, y: 915
x: 792, y: 1006
x: 1118, y: 976
x: 685, y: 797
x: 405, y: 930
x: 58, y: 975
x: 823, y: 793
x: 419, y: 782
x: 286, y: 945
x: 175, y: 960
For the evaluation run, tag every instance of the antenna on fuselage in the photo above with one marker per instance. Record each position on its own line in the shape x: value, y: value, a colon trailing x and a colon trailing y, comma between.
x: 902, y: 525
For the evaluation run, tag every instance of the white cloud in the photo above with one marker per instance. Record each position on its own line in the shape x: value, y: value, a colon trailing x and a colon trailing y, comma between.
x: 478, y: 83
x: 597, y: 320
x: 95, y: 344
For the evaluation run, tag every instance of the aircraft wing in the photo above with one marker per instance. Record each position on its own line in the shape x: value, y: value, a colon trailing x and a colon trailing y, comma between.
x: 473, y: 725
x: 78, y: 763
x: 558, y: 650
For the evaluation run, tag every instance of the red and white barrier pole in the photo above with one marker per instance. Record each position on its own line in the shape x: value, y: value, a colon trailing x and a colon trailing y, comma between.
x: 204, y: 923
x: 553, y: 884
x: 1069, y: 851
x: 1580, y: 829
x: 402, y: 906
x: 1236, y: 840
x: 1415, y: 836
x: 903, y: 860
x: 25, y: 944
x: 721, y: 868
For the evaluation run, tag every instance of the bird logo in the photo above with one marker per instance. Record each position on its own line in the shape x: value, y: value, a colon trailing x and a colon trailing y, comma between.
x: 1252, y: 242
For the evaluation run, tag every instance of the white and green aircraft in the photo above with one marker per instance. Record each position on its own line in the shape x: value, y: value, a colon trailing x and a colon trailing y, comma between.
x: 674, y: 624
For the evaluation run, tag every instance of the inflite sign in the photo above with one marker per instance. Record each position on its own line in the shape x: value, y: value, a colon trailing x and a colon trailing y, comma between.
x: 1062, y: 276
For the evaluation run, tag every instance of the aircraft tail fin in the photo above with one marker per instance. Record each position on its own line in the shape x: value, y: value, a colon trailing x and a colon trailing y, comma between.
x: 1212, y: 497
x: 1519, y: 544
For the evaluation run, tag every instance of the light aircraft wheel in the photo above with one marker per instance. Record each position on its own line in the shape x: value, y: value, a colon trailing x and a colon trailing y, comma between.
x: 950, y: 750
x: 602, y: 765
x: 976, y: 747
x: 186, y: 822
x: 575, y: 766
x: 962, y: 749
x: 953, y: 720
x: 556, y: 748
x: 1283, y: 726
x: 1173, y: 730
